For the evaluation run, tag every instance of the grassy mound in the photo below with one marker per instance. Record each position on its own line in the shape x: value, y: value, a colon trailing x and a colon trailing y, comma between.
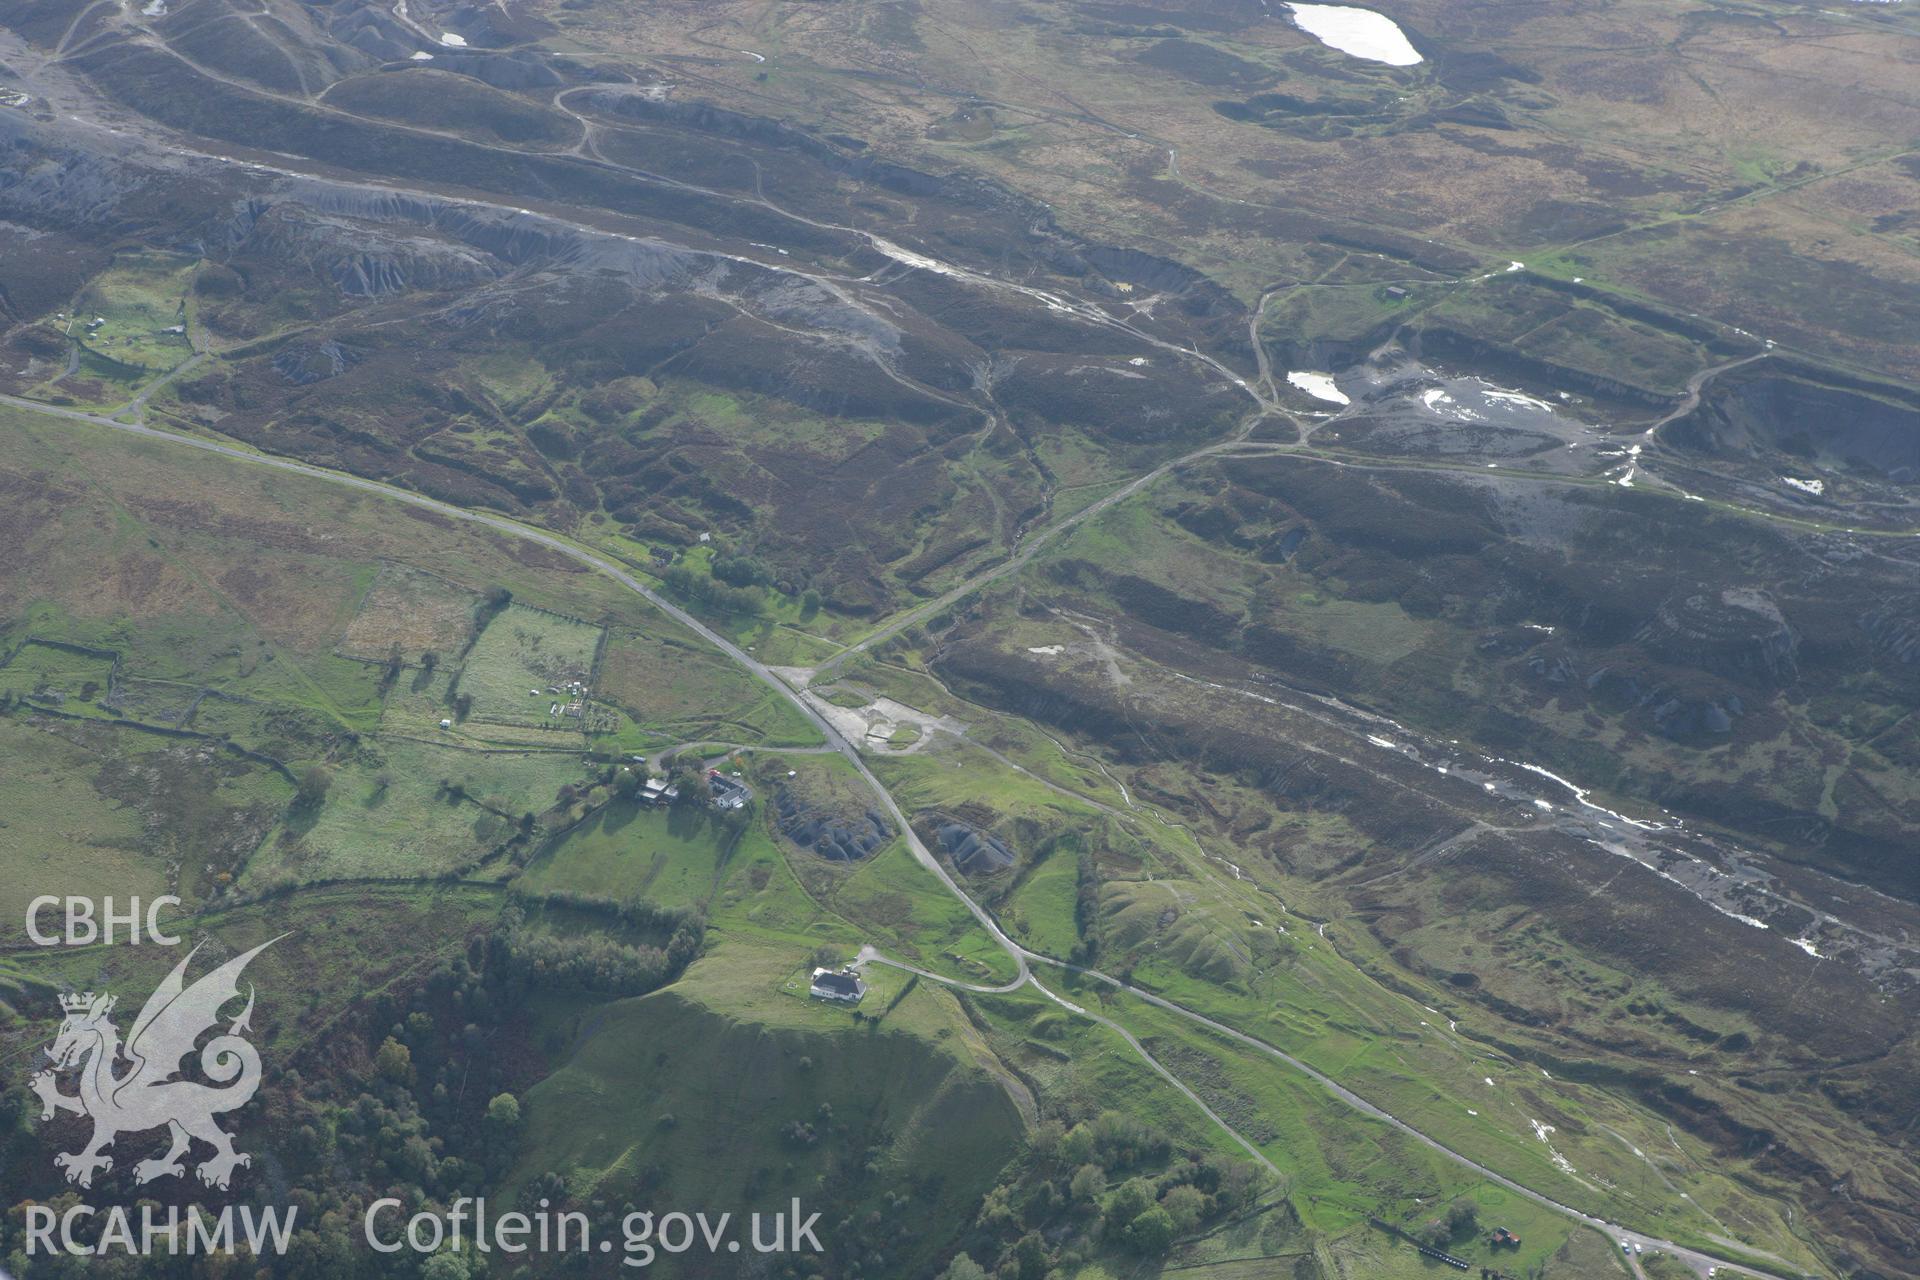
x: 809, y: 1105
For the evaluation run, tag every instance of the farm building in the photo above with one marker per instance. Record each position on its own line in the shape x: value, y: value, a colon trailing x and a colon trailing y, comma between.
x: 727, y: 793
x: 838, y: 985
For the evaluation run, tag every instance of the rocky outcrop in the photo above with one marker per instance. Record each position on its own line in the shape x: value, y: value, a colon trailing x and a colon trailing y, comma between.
x: 1790, y: 421
x: 305, y: 365
x: 975, y: 853
x: 1737, y: 632
x: 834, y: 837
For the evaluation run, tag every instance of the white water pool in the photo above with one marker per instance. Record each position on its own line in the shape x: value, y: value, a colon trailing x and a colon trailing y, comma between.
x: 1360, y: 32
x: 1319, y: 386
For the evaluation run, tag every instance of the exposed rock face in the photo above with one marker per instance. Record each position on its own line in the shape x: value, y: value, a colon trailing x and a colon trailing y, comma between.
x: 1766, y: 417
x: 357, y: 257
x: 832, y: 836
x: 975, y: 853
x: 1684, y: 718
x: 305, y: 365
x: 44, y: 185
x: 1731, y: 631
x: 1444, y: 346
x: 1894, y: 626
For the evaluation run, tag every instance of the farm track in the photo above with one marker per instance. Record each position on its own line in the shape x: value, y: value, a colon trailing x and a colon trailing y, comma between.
x: 1262, y: 390
x: 131, y: 418
x: 1022, y: 957
x: 1696, y: 387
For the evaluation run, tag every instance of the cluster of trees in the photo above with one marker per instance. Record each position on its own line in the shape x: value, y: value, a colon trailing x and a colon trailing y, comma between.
x: 390, y: 670
x: 462, y: 703
x: 491, y: 606
x: 636, y: 912
x: 1459, y: 1220
x: 591, y: 964
x: 801, y: 1133
x: 405, y: 1096
x: 594, y: 961
x: 737, y: 583
x: 742, y: 570
x: 396, y: 662
x: 689, y: 781
x: 312, y: 790
x: 1109, y: 1185
x: 412, y: 1096
x: 746, y: 570
x: 1110, y: 1188
x: 691, y: 584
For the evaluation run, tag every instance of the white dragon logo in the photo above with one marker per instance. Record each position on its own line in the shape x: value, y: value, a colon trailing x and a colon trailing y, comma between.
x: 146, y: 1095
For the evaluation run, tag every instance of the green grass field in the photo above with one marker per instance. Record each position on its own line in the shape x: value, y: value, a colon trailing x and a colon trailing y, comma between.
x: 140, y: 297
x: 676, y: 689
x: 894, y: 897
x: 60, y: 832
x: 401, y: 820
x: 1040, y: 911
x: 53, y: 673
x: 525, y: 666
x: 805, y: 1101
x: 1214, y: 943
x: 227, y: 617
x: 670, y: 856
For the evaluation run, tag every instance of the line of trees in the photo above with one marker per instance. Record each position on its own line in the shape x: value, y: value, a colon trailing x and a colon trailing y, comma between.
x: 691, y: 584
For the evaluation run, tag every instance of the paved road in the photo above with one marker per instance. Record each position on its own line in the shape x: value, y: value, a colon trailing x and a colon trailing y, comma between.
x: 600, y: 564
x: 868, y: 955
x: 1022, y: 957
x: 1699, y: 1262
x: 1260, y: 393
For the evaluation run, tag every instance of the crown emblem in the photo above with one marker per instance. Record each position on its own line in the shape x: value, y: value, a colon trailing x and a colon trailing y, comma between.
x: 145, y: 1094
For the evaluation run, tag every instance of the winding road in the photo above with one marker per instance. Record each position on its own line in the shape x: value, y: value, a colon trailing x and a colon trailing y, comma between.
x: 1696, y: 386
x: 1022, y: 957
x: 599, y: 564
x: 130, y: 419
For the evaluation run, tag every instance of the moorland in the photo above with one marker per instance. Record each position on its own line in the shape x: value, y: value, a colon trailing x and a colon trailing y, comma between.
x: 1335, y: 639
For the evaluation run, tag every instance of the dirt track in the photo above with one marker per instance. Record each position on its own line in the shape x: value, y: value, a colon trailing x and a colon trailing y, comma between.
x: 1022, y: 957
